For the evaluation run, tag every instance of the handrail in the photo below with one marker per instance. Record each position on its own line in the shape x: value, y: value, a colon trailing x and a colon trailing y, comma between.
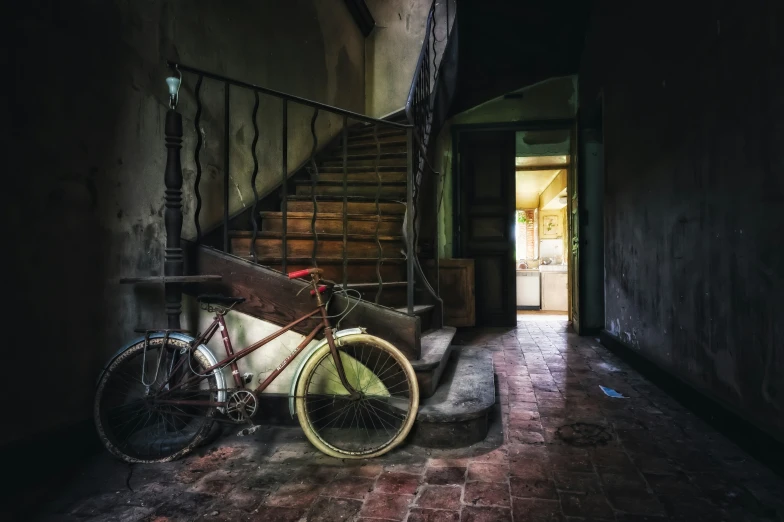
x: 418, y: 68
x: 285, y: 96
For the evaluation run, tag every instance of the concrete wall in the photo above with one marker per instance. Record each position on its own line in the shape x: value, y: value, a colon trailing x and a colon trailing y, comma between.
x: 693, y: 127
x: 392, y: 49
x: 85, y: 122
x: 552, y: 99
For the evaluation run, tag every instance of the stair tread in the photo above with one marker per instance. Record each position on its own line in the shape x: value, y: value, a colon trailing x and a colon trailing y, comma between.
x: 291, y: 260
x: 362, y: 168
x: 435, y: 346
x: 350, y: 183
x: 375, y: 285
x: 331, y: 215
x: 308, y: 235
x: 351, y: 199
x: 467, y: 389
x: 367, y: 155
x: 418, y: 309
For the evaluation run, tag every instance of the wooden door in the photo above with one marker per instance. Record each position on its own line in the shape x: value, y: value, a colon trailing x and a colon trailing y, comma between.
x: 487, y: 224
x: 573, y: 208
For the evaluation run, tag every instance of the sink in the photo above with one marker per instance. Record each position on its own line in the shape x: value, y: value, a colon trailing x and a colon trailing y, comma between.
x: 553, y: 268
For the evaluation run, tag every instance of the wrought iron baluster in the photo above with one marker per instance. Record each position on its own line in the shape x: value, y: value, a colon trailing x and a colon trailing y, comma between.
x: 409, y: 224
x: 313, y: 185
x: 226, y: 116
x: 254, y: 216
x: 379, y: 250
x: 284, y: 185
x: 197, y: 179
x: 345, y: 201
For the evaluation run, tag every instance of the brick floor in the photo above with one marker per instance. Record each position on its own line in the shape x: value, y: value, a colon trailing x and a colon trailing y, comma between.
x: 558, y: 448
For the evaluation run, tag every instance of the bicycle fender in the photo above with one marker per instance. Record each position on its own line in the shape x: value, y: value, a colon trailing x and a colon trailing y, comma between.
x: 219, y: 378
x: 293, y: 391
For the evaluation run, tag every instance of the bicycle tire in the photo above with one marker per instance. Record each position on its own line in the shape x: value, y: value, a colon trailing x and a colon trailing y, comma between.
x: 121, y: 373
x: 394, y: 388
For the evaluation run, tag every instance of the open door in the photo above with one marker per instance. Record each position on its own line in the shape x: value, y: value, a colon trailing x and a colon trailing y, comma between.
x: 573, y: 212
x: 487, y: 221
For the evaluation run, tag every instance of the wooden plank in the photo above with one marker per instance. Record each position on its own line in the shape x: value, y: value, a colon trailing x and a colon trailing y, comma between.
x: 403, y: 331
x: 169, y: 279
x: 368, y: 177
x: 271, y: 296
x: 456, y: 282
x: 266, y: 247
x: 359, y: 271
x: 354, y: 207
x: 332, y: 223
x: 387, y: 191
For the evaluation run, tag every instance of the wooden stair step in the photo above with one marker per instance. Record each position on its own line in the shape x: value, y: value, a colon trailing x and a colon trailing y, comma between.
x: 387, y: 191
x: 324, y: 169
x: 382, y: 132
x: 359, y: 270
x: 369, y: 177
x: 456, y: 415
x: 360, y: 142
x: 334, y: 205
x: 365, y: 164
x: 332, y: 223
x: 270, y: 244
x: 384, y: 159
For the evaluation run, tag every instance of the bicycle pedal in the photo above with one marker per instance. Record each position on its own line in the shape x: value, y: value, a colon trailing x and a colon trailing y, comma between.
x: 250, y: 430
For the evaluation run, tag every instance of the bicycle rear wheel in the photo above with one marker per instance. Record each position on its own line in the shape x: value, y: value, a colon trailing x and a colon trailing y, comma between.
x: 132, y: 421
x: 366, y: 426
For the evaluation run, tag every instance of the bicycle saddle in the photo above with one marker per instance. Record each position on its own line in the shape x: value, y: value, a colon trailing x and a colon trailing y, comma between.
x: 220, y: 299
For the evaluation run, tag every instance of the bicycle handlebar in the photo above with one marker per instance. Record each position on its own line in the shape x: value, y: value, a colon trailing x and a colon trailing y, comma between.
x: 302, y: 273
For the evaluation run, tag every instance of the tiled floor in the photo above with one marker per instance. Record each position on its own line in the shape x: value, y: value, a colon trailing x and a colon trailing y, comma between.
x: 559, y: 448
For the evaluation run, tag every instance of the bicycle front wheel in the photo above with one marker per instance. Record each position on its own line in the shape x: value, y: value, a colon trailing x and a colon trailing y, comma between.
x: 150, y: 406
x: 367, y: 425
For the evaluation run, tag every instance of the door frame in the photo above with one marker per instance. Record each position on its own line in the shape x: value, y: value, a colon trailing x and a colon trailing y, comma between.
x: 457, y: 181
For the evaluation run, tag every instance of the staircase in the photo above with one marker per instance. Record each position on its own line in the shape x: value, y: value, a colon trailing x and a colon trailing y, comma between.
x: 345, y: 212
x: 375, y: 195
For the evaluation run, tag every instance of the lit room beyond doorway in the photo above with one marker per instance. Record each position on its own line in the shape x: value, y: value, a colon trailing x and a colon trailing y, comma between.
x: 541, y: 174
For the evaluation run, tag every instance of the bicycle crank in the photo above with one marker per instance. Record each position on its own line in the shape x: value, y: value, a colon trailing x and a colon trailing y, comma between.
x: 241, y: 406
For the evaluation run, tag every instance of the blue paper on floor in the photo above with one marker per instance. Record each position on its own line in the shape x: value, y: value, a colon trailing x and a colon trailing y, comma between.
x: 612, y: 393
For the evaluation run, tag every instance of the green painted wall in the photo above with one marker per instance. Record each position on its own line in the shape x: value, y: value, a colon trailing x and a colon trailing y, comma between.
x: 549, y: 100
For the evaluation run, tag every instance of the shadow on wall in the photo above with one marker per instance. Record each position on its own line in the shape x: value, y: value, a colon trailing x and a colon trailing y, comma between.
x: 87, y: 135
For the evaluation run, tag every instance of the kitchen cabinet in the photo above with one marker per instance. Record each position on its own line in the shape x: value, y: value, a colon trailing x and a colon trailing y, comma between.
x: 555, y: 291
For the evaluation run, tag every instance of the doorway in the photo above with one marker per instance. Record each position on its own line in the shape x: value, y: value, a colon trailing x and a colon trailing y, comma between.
x: 542, y: 161
x: 512, y: 216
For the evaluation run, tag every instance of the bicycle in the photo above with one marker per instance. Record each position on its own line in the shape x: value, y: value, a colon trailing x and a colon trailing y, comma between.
x: 355, y: 395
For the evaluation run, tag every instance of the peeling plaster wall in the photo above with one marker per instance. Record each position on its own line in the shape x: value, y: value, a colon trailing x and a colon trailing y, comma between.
x: 392, y: 49
x: 693, y: 128
x: 551, y: 99
x: 88, y: 102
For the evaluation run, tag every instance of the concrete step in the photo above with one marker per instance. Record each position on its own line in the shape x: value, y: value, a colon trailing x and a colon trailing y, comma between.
x: 436, y: 347
x: 456, y: 415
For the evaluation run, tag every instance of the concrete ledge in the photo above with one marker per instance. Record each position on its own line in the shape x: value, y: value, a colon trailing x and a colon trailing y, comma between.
x: 456, y: 415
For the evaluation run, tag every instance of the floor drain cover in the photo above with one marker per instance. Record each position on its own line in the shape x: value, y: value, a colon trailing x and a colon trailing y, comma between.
x: 583, y: 434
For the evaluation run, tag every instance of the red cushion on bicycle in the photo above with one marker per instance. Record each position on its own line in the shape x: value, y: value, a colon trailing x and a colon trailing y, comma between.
x: 321, y: 289
x: 299, y: 273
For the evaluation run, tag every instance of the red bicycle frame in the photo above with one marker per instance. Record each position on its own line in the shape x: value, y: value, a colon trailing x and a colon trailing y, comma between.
x: 218, y: 324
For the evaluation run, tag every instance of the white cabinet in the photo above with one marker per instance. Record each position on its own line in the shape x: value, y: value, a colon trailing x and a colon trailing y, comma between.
x: 555, y: 294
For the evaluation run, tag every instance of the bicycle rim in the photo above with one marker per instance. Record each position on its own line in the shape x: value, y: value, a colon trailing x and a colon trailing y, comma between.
x: 376, y: 421
x: 132, y: 423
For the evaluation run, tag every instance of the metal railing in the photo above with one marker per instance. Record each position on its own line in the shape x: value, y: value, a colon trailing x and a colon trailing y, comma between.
x: 419, y: 113
x: 318, y: 108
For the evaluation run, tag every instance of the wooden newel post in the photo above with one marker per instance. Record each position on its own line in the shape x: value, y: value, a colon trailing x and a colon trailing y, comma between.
x: 173, y: 257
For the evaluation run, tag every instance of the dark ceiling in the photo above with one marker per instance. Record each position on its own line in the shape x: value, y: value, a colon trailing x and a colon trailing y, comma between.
x: 505, y: 45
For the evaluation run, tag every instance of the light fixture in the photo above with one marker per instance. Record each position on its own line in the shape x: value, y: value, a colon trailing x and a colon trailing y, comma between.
x: 174, y: 88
